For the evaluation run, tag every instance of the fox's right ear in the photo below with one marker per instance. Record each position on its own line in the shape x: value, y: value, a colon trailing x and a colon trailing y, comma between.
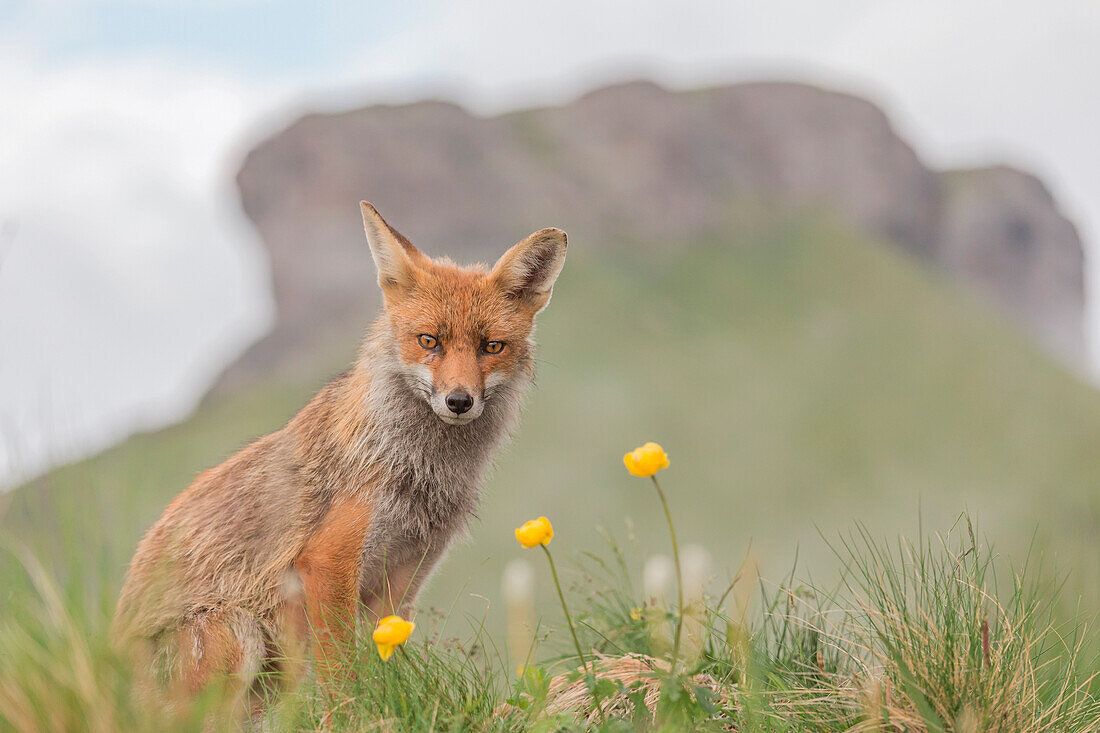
x: 395, y: 257
x: 528, y: 270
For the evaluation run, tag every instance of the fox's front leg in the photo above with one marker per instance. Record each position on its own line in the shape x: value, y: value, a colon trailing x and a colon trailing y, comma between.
x: 329, y: 568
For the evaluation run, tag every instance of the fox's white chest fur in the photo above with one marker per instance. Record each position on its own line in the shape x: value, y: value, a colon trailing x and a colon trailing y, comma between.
x: 428, y: 474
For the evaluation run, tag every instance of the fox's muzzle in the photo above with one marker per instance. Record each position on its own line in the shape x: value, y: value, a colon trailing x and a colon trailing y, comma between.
x: 456, y: 406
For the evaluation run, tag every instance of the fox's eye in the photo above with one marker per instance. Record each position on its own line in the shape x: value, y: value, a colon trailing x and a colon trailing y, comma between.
x: 494, y: 347
x: 428, y: 342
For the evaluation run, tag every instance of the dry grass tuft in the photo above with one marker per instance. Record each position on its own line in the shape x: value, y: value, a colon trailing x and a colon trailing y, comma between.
x: 633, y: 673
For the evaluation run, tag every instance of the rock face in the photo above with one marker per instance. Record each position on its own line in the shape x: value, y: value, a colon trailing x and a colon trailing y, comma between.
x: 631, y: 162
x: 1003, y: 234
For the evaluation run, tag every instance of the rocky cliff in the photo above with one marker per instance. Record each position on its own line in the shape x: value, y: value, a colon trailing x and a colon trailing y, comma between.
x: 1003, y: 235
x: 632, y: 162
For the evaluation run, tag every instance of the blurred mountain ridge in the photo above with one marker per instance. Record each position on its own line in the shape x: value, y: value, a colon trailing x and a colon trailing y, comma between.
x: 629, y: 163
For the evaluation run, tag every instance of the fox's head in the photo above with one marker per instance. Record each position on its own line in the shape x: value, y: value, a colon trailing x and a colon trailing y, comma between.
x: 462, y: 334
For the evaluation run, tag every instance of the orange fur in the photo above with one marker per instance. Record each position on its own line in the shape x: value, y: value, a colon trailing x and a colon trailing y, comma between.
x: 329, y: 568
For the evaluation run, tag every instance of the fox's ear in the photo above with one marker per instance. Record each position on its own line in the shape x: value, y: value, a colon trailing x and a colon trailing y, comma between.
x: 528, y: 270
x: 395, y: 256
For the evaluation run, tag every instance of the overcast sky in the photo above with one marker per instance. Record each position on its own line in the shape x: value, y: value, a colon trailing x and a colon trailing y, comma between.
x: 128, y: 278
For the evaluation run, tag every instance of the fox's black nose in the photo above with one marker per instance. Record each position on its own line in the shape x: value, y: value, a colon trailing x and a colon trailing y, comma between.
x: 459, y: 401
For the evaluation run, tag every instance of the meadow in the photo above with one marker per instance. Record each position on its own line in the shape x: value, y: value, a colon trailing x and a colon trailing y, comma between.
x: 933, y: 635
x: 820, y: 396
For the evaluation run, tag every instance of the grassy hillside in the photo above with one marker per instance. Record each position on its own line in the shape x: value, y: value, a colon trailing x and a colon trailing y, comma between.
x: 799, y: 376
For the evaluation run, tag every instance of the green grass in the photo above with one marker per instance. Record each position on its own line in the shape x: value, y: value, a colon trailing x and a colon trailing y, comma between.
x: 801, y: 378
x: 937, y: 635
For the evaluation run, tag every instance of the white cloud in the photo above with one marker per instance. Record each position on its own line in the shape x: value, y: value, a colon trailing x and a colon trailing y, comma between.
x: 130, y: 278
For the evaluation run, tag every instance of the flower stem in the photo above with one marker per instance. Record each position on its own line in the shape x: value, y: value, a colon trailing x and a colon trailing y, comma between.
x: 679, y: 576
x: 568, y: 618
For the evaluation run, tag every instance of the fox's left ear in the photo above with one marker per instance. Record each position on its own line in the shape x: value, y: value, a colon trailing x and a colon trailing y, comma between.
x: 396, y: 258
x: 528, y: 270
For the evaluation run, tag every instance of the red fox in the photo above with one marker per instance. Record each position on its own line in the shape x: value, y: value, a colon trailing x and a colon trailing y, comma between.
x: 358, y: 497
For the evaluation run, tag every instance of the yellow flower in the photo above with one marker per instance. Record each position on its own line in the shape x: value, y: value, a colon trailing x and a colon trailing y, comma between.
x: 536, y: 532
x: 636, y: 613
x: 391, y: 632
x: 646, y: 460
